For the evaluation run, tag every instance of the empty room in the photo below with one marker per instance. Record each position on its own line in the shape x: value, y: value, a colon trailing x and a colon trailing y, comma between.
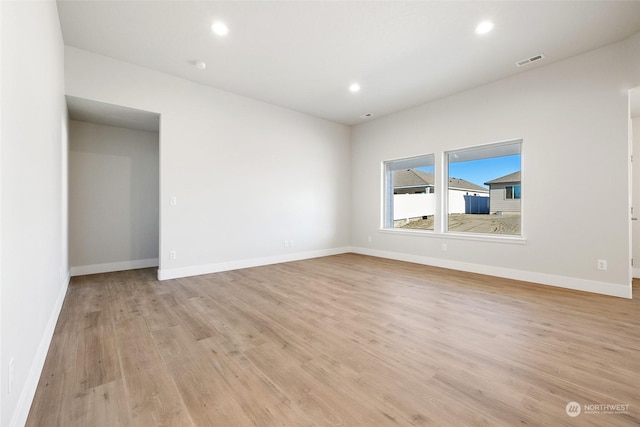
x: 313, y: 213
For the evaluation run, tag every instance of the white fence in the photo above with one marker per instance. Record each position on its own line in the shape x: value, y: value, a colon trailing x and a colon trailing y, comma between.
x: 419, y: 205
x: 413, y: 205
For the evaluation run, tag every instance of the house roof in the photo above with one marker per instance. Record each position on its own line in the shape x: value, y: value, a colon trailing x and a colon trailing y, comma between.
x: 404, y: 178
x: 463, y: 184
x: 411, y: 178
x: 512, y: 177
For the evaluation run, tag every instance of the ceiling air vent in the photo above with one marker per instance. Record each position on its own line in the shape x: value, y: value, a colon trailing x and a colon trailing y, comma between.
x: 530, y: 60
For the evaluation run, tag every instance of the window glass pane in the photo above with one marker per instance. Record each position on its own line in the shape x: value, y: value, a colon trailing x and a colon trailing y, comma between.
x: 410, y: 193
x: 484, y: 189
x: 509, y: 192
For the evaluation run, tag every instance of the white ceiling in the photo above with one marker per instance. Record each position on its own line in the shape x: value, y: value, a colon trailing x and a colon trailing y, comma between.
x: 303, y: 55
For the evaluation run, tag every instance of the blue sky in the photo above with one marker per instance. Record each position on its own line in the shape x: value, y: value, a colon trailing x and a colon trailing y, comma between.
x: 483, y: 170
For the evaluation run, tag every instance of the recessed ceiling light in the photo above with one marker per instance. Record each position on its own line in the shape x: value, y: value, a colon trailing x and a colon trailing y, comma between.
x: 355, y: 87
x: 200, y: 65
x: 220, y: 28
x: 484, y: 27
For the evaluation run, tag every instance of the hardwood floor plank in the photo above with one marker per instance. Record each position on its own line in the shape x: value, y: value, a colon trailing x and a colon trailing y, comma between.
x: 105, y: 405
x: 97, y: 353
x: 344, y: 340
x: 196, y: 322
x: 209, y: 402
x: 264, y: 403
x: 58, y: 383
x: 236, y: 332
x: 322, y: 405
x: 160, y: 312
x: 377, y: 408
x: 151, y: 390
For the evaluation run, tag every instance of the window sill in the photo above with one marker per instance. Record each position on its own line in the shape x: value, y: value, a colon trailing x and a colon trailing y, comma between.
x: 519, y: 240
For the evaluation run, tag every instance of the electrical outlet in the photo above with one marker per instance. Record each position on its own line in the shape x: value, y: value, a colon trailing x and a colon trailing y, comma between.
x: 173, y: 255
x: 602, y: 264
x: 444, y: 247
x: 291, y: 243
x: 286, y: 243
x: 369, y: 239
x: 173, y: 200
x: 10, y: 376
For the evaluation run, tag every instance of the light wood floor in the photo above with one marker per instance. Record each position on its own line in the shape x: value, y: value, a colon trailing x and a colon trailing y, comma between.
x: 345, y: 340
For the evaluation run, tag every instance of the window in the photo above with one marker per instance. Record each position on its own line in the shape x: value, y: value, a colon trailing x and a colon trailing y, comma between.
x: 492, y: 173
x: 512, y: 192
x: 410, y: 193
x: 473, y: 191
x: 516, y: 191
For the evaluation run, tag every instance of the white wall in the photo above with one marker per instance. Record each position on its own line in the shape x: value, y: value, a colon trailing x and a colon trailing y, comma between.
x: 113, y: 198
x: 247, y: 175
x: 572, y: 117
x: 34, y: 267
x: 633, y: 55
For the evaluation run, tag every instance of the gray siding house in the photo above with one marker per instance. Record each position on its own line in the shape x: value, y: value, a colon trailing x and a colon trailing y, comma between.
x: 505, y: 193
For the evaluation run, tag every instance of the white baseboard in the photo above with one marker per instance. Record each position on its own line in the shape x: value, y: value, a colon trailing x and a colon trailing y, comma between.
x: 25, y: 400
x: 113, y: 266
x: 585, y: 285
x: 196, y: 270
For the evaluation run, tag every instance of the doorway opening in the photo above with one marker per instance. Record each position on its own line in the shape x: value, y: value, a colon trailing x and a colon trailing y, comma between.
x: 114, y: 186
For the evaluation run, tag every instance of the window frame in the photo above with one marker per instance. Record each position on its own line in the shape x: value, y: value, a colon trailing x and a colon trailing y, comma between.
x: 441, y: 189
x: 516, y: 192
x: 388, y: 166
x: 508, y: 192
x: 495, y: 146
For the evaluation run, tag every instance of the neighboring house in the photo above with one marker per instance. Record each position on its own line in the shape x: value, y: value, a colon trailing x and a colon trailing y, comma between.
x: 505, y: 193
x: 414, y: 195
x: 412, y: 181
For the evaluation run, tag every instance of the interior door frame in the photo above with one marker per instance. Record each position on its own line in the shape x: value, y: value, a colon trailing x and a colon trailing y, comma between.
x: 634, y: 270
